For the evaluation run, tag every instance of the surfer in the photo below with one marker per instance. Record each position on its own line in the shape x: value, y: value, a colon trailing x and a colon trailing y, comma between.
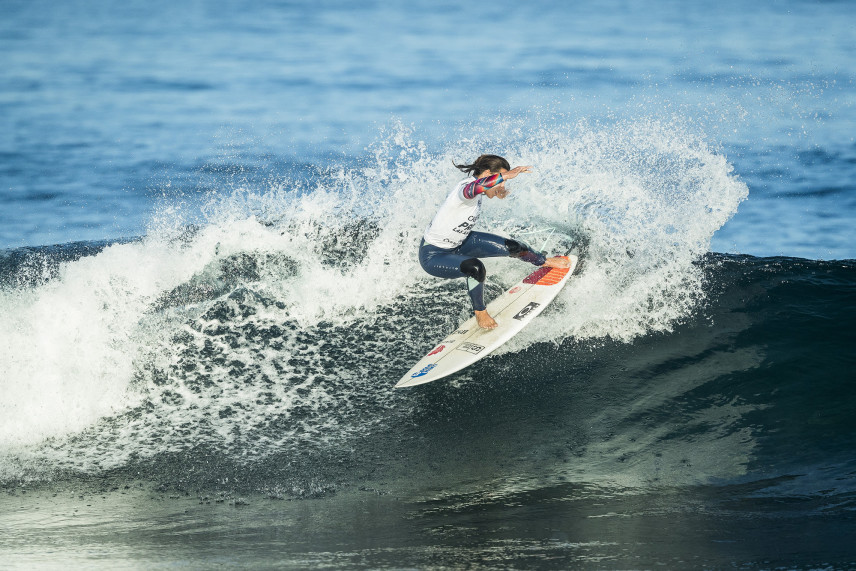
x: 451, y: 249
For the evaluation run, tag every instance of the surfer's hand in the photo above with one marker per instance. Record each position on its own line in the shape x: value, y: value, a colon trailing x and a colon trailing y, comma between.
x: 558, y: 262
x: 508, y: 175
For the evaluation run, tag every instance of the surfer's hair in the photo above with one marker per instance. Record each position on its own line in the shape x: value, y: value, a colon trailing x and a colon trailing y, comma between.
x: 492, y: 163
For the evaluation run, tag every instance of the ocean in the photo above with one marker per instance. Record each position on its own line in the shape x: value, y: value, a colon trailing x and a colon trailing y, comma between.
x: 209, y: 221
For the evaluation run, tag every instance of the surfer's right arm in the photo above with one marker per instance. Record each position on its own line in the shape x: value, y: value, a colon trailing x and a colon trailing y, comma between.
x: 479, y: 185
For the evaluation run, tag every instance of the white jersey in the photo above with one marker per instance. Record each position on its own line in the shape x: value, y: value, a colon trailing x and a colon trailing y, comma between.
x: 455, y: 219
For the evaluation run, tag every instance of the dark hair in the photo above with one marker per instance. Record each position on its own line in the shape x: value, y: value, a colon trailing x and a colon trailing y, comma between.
x: 492, y: 163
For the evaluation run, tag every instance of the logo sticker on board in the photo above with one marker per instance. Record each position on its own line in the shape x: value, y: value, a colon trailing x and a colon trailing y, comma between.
x: 515, y: 289
x: 460, y: 332
x: 437, y: 350
x: 521, y: 315
x: 471, y: 348
x: 424, y: 371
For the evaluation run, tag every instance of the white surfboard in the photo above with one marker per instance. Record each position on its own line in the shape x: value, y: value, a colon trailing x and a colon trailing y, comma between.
x: 513, y: 311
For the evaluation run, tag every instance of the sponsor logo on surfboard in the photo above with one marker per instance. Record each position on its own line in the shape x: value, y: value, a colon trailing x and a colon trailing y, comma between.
x: 437, y: 350
x: 515, y: 289
x: 521, y: 315
x: 471, y: 348
x: 424, y: 371
x: 460, y: 332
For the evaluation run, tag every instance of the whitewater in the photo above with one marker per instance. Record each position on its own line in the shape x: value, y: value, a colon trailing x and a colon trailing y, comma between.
x: 96, y: 335
x: 209, y: 286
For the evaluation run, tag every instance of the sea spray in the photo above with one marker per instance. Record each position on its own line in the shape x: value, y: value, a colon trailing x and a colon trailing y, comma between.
x: 272, y: 323
x: 643, y: 199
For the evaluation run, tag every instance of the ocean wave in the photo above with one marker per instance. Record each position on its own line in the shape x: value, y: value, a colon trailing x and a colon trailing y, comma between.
x: 259, y: 348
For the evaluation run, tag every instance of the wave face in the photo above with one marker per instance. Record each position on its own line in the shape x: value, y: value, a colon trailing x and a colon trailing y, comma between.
x: 256, y: 349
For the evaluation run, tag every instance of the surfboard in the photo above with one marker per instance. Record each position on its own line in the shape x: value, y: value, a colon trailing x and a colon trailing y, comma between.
x: 513, y: 310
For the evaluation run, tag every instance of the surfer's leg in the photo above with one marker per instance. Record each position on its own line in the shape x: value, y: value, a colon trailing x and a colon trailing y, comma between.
x: 476, y: 273
x: 451, y: 264
x: 485, y: 245
x: 440, y: 262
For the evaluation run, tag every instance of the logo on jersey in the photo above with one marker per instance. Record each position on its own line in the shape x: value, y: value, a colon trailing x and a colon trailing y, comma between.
x: 521, y: 315
x: 471, y: 348
x: 463, y: 228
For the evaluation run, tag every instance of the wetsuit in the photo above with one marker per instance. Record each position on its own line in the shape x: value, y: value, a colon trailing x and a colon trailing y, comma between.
x: 450, y: 248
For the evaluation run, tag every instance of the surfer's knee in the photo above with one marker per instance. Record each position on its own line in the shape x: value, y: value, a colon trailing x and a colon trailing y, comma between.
x: 474, y: 268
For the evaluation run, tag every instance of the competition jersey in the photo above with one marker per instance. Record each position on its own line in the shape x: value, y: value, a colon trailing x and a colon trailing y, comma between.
x: 459, y: 212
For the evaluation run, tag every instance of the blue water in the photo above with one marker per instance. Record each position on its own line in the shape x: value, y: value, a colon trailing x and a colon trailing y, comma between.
x: 209, y: 215
x: 108, y: 111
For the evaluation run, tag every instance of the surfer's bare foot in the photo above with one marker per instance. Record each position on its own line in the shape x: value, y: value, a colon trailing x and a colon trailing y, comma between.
x: 558, y: 262
x: 485, y: 321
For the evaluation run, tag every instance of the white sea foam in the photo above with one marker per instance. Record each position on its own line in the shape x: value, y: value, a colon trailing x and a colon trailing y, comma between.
x: 134, y: 323
x: 647, y: 197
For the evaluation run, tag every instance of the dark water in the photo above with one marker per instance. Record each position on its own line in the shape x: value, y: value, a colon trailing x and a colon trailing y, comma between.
x: 210, y: 286
x: 725, y: 442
